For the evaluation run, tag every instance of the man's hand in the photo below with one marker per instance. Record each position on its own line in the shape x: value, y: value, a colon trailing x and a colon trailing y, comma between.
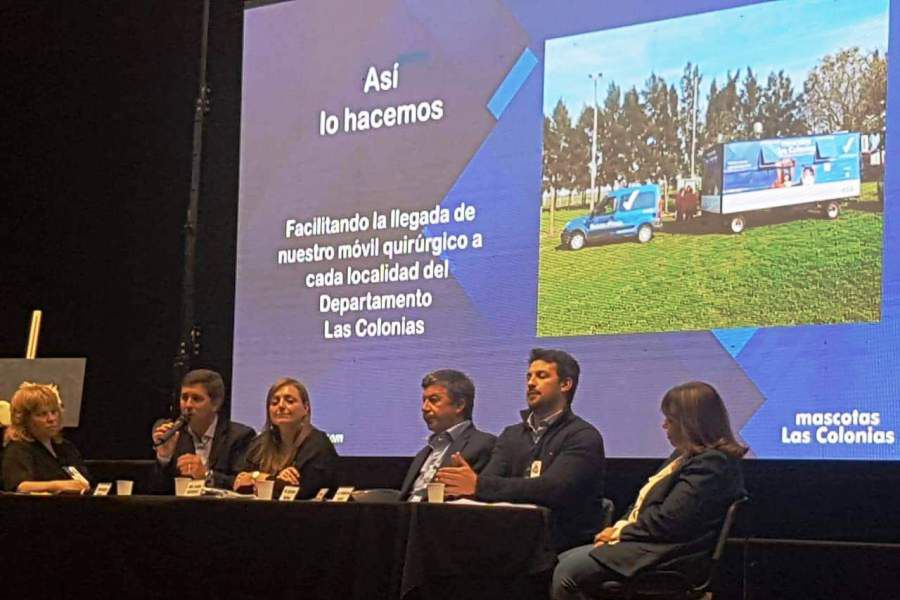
x: 190, y: 465
x: 290, y: 475
x: 165, y: 451
x: 604, y: 536
x: 458, y: 480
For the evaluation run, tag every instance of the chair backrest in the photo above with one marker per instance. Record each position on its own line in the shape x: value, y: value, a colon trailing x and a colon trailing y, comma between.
x: 727, y: 524
x: 730, y: 517
x: 674, y: 584
x: 609, y: 509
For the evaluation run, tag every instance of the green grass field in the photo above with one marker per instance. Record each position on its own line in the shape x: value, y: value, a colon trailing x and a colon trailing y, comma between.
x: 782, y: 270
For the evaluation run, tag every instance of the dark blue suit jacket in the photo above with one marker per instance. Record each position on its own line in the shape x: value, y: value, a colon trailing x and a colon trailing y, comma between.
x: 474, y: 445
x: 680, y: 519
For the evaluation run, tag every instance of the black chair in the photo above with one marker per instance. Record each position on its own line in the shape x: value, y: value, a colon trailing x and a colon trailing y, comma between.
x: 609, y: 509
x: 660, y: 585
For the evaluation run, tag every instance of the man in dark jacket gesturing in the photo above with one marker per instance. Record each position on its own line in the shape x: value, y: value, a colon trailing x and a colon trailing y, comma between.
x: 552, y: 457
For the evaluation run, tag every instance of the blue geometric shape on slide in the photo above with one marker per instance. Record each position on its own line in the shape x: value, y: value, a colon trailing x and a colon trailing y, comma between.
x: 502, y: 182
x: 734, y: 340
x: 512, y: 82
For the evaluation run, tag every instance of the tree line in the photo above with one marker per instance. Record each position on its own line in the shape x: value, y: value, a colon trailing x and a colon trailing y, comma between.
x: 646, y: 135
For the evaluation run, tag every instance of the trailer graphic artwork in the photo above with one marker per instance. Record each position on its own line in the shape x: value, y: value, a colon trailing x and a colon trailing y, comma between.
x: 817, y: 170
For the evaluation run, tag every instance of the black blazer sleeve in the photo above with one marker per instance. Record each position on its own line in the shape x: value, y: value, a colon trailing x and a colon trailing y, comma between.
x: 18, y: 466
x: 316, y: 461
x: 230, y: 455
x: 499, y: 464
x: 579, y: 460
x: 701, y: 489
x: 478, y: 450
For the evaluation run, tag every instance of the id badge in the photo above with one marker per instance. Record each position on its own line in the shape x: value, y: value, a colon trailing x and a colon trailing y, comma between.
x: 535, y: 469
x: 76, y: 475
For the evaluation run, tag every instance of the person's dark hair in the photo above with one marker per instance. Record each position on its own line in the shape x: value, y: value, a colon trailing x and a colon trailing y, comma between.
x: 458, y: 385
x: 699, y: 412
x: 566, y: 366
x: 211, y: 382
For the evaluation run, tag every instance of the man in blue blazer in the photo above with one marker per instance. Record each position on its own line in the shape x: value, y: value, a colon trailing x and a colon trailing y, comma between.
x: 448, y: 398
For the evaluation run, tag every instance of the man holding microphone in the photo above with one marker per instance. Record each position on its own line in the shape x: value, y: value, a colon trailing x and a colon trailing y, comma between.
x: 208, y: 445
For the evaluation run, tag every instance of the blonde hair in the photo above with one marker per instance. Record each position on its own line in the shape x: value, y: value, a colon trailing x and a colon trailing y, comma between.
x: 29, y: 399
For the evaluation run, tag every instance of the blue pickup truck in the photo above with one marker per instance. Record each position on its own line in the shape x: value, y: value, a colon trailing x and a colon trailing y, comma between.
x: 627, y: 212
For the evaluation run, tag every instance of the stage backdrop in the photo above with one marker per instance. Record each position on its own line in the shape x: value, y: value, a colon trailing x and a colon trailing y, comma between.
x: 443, y: 184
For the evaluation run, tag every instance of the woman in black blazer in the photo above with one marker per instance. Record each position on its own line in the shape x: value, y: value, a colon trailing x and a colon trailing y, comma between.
x: 674, y: 522
x: 290, y: 450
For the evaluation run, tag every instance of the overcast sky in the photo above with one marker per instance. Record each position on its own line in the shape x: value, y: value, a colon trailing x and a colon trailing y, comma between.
x: 787, y: 34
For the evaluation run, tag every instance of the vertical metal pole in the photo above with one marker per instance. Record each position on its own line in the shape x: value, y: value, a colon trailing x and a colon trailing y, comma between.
x: 594, y: 194
x: 189, y: 343
x: 694, y: 127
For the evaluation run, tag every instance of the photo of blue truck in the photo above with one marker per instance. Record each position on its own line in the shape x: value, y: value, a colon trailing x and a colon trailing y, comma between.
x: 633, y: 211
x: 809, y: 172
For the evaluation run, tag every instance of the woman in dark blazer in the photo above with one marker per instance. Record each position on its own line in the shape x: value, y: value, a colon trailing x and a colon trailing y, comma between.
x: 36, y: 458
x: 290, y: 450
x: 674, y: 522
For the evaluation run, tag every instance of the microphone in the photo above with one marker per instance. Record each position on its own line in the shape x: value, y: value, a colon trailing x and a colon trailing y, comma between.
x: 177, y: 426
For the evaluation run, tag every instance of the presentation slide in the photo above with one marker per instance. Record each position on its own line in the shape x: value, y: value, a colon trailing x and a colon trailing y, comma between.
x: 668, y: 191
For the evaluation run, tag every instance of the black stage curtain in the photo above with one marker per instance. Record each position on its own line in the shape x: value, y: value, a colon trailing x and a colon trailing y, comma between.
x: 96, y: 139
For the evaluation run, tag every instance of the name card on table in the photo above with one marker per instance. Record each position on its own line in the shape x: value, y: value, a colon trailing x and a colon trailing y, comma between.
x: 194, y: 488
x: 343, y: 494
x: 288, y: 493
x: 102, y: 489
x: 320, y: 496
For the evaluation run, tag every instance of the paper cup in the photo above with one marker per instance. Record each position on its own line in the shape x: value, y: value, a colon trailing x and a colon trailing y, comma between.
x: 181, y: 484
x: 124, y: 487
x: 264, y: 489
x: 435, y: 493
